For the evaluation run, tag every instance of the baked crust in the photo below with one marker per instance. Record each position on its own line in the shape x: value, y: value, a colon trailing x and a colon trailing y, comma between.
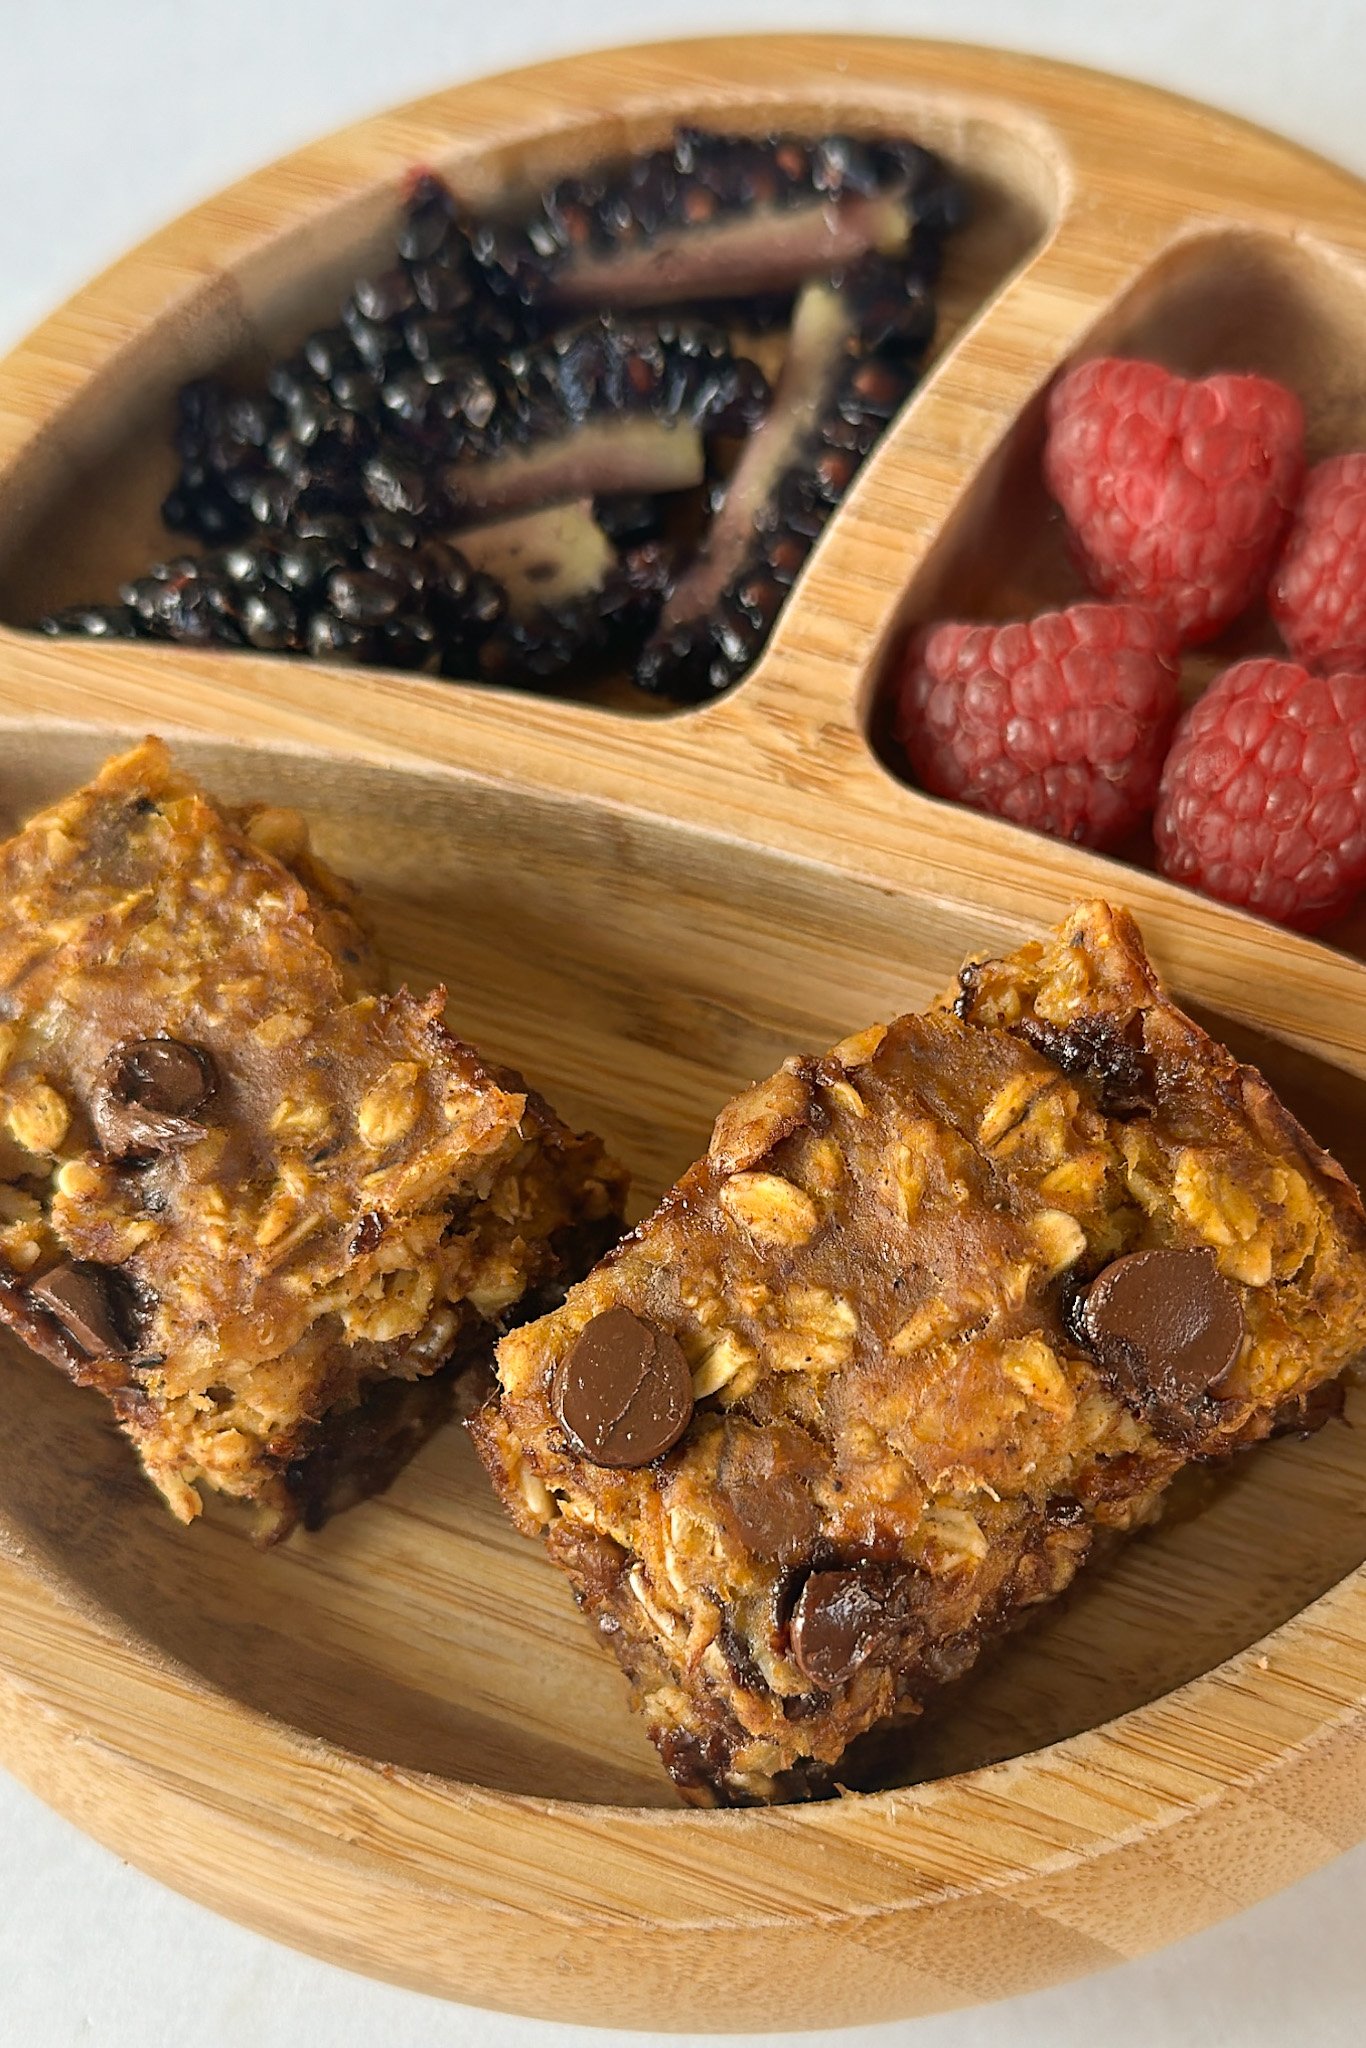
x: 363, y: 1200
x: 875, y: 1276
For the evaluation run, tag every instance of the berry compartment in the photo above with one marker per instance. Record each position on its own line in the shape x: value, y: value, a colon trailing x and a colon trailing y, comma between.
x: 1232, y: 299
x: 83, y: 512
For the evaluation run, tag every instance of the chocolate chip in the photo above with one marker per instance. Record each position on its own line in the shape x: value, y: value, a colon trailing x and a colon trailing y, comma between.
x: 740, y: 1659
x: 1164, y: 1326
x: 778, y: 1524
x: 1094, y: 1048
x: 93, y: 1304
x: 969, y: 975
x: 762, y: 1478
x: 369, y: 1231
x: 842, y: 1618
x: 161, y: 1075
x: 146, y: 1095
x: 695, y: 1765
x: 624, y: 1392
x: 38, y: 1330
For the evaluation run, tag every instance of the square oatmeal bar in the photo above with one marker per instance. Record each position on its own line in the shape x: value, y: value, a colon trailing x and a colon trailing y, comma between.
x: 934, y: 1311
x: 255, y: 1200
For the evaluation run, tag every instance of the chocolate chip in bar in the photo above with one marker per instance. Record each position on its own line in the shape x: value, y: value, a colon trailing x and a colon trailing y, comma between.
x: 161, y: 1075
x: 624, y: 1392
x: 762, y: 1478
x: 369, y: 1234
x: 1095, y: 1049
x: 842, y: 1618
x: 779, y: 1524
x: 1164, y: 1325
x: 147, y: 1094
x: 94, y: 1306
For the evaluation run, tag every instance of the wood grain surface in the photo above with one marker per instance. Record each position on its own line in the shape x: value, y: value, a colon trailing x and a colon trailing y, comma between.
x: 394, y: 1743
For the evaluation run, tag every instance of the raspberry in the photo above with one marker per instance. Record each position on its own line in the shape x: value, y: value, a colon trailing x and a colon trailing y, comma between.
x: 1059, y: 723
x: 1176, y: 492
x: 1263, y: 798
x: 1318, y: 593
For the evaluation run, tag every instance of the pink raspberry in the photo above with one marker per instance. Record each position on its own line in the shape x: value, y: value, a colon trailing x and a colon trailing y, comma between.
x: 1318, y: 593
x: 1263, y: 798
x: 1176, y: 491
x: 1059, y: 723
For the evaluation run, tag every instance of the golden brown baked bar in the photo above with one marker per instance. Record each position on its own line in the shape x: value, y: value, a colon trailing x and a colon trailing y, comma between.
x: 935, y: 1309
x: 242, y: 1190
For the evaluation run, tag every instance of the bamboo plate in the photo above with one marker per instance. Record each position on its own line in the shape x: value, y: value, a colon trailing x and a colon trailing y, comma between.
x: 394, y: 1744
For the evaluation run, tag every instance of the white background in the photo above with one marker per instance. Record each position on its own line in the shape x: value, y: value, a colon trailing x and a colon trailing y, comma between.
x: 115, y: 114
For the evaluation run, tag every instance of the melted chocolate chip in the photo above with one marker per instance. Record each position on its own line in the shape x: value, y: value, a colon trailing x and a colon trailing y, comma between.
x: 1163, y: 1326
x: 842, y: 1618
x: 779, y: 1522
x: 740, y: 1659
x: 94, y: 1306
x: 969, y: 974
x: 624, y: 1392
x: 38, y: 1330
x: 369, y: 1231
x: 1093, y: 1048
x: 147, y: 1093
x: 695, y: 1765
x: 162, y: 1075
x: 762, y: 1478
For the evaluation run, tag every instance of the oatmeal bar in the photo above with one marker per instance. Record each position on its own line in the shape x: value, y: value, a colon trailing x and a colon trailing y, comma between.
x: 255, y: 1200
x: 934, y: 1311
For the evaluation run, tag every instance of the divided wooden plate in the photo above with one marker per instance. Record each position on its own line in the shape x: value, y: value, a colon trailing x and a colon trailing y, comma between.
x: 394, y: 1744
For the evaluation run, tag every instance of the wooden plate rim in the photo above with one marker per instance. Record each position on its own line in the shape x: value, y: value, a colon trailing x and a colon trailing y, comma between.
x: 1169, y: 1759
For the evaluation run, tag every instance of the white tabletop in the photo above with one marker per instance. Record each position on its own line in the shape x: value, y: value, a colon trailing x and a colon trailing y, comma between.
x: 115, y: 114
